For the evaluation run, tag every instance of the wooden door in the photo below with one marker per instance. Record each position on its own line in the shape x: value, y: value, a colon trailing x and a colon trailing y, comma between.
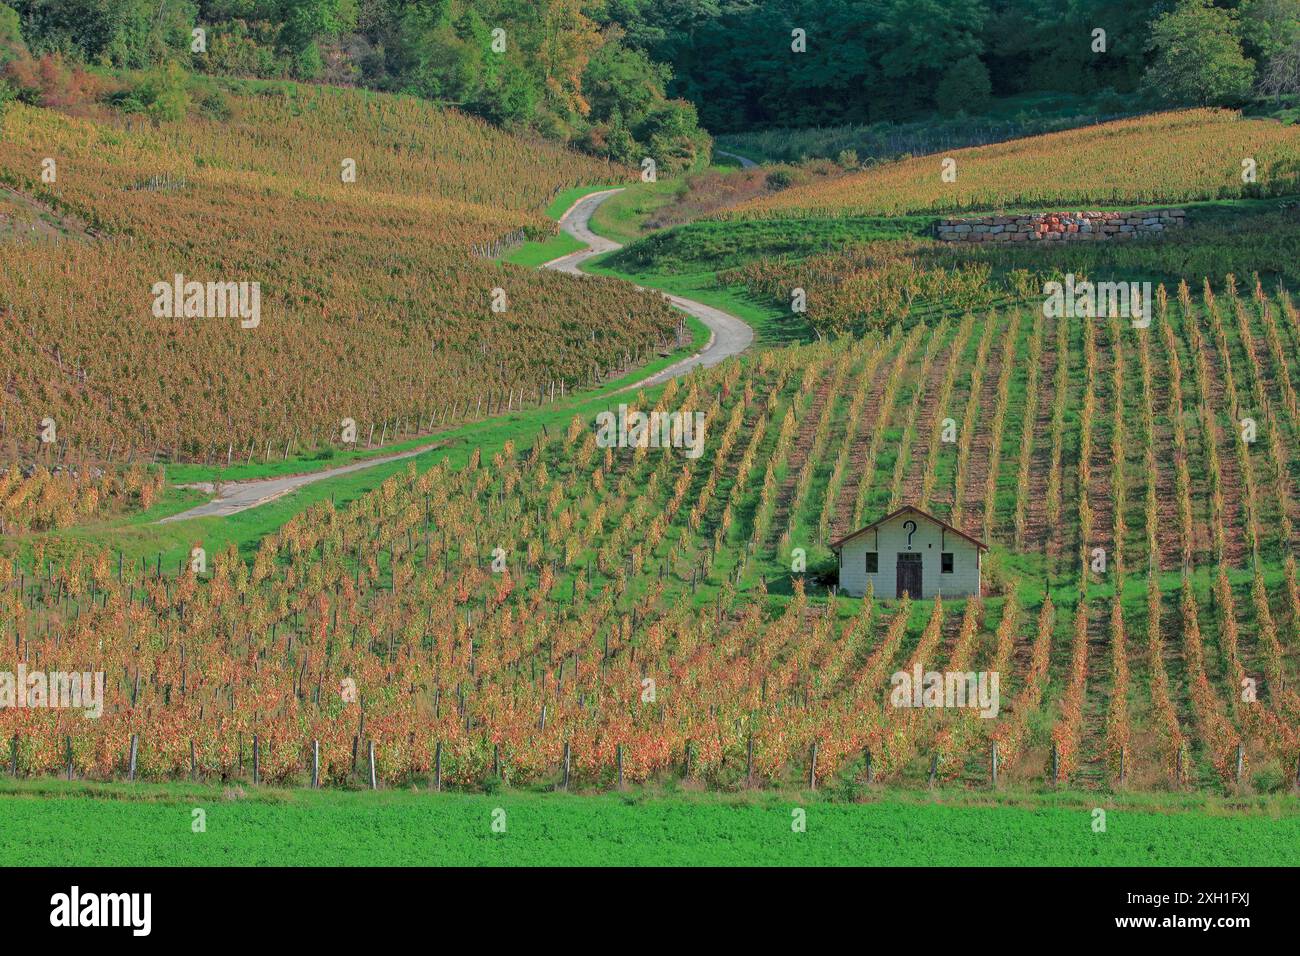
x: 909, y: 575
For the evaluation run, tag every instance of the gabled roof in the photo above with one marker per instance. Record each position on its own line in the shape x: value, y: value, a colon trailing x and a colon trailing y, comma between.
x: 836, y: 545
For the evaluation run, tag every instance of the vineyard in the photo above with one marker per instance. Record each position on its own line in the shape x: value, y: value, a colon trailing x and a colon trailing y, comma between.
x: 364, y: 219
x: 36, y: 499
x: 582, y: 616
x: 1166, y: 157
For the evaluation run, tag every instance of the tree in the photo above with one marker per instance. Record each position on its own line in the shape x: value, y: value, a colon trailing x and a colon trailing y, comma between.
x: 11, y: 37
x: 1281, y: 75
x: 1271, y: 34
x: 1269, y: 27
x: 623, y: 81
x: 965, y: 87
x: 132, y: 33
x: 1198, y: 57
x: 674, y: 137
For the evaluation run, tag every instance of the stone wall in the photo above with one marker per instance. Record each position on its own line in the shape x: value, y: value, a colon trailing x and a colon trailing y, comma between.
x: 1061, y: 226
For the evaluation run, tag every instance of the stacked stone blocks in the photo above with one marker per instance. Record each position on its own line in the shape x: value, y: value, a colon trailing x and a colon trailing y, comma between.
x: 1061, y: 226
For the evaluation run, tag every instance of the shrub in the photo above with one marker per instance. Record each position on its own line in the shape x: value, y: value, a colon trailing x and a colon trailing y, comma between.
x: 779, y: 179
x: 162, y: 95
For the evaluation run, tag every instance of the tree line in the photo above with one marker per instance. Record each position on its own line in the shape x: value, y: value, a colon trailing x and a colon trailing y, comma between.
x: 630, y: 78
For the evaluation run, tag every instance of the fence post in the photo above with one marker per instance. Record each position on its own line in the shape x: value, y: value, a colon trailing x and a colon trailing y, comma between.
x: 315, y: 764
x: 256, y: 761
x: 374, y: 784
x: 620, y: 766
x: 1241, y: 761
x: 437, y: 768
x: 565, y: 784
x: 13, y: 756
x: 934, y: 767
x: 194, y: 766
x: 993, y: 765
x: 67, y: 742
x: 135, y: 744
x: 871, y: 770
x: 812, y: 768
x: 749, y: 762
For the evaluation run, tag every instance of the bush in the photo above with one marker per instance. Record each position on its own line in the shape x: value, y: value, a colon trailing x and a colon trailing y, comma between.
x: 162, y: 95
x: 214, y: 104
x: 779, y: 179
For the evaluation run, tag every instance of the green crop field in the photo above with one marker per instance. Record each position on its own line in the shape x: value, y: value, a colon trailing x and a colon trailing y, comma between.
x: 157, y: 826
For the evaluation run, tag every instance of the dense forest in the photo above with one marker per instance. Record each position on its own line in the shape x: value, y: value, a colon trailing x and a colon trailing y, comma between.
x: 627, y: 78
x: 744, y: 66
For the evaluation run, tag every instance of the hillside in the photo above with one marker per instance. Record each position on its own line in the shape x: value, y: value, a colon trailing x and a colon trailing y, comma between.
x: 1162, y: 158
x: 503, y: 613
x: 374, y: 305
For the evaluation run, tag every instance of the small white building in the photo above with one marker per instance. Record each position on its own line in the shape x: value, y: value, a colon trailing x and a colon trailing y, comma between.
x: 913, y: 552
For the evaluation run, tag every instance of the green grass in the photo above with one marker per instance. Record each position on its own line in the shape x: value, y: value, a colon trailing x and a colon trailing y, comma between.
x: 622, y: 217
x: 153, y: 825
x: 534, y: 253
x: 714, y: 245
x: 772, y: 326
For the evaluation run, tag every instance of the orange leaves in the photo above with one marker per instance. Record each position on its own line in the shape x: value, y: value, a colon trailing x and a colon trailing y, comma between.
x: 1131, y: 160
x: 385, y: 259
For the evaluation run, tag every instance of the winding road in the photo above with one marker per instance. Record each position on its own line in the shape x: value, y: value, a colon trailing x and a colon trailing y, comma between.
x: 728, y: 336
x: 744, y: 163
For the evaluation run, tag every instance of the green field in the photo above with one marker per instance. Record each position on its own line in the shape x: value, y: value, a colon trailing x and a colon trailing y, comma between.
x: 154, y: 825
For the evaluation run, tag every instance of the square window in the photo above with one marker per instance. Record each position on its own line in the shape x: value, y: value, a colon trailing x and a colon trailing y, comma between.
x: 945, y: 562
x: 873, y: 562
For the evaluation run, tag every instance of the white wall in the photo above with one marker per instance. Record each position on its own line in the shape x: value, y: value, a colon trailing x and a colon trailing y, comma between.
x: 929, y: 540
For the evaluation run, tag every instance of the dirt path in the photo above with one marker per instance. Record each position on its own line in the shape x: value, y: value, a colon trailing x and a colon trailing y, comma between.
x: 728, y: 335
x: 744, y: 163
x: 240, y: 496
